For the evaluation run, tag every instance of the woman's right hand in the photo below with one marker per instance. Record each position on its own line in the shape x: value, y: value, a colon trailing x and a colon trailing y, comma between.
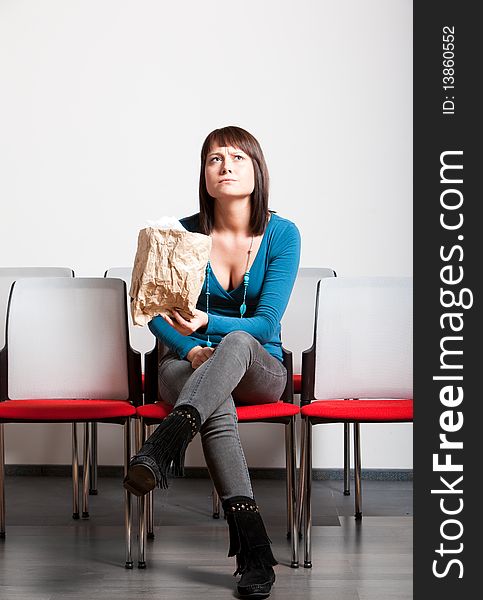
x: 198, y: 355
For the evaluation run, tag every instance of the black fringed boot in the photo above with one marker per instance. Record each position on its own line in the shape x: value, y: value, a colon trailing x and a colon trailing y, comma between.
x: 251, y: 545
x: 164, y: 448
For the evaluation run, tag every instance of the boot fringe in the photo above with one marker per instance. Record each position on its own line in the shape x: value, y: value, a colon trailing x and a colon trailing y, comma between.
x: 166, y: 447
x: 248, y: 535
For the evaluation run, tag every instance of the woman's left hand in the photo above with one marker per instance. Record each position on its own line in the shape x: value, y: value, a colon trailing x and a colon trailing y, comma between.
x: 200, y: 319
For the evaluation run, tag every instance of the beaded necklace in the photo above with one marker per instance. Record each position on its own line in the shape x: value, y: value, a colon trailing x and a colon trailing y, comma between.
x: 246, y: 280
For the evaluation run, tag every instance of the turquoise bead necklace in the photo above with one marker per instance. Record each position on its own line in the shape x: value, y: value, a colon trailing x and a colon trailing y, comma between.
x: 246, y: 280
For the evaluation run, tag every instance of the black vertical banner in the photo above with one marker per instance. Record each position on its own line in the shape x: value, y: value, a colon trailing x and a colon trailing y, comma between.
x: 447, y: 300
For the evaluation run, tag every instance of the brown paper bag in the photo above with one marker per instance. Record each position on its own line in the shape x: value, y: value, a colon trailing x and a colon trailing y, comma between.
x: 169, y: 270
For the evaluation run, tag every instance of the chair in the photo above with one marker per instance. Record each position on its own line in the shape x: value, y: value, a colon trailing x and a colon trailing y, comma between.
x: 67, y: 359
x: 299, y: 311
x: 7, y: 276
x: 359, y: 368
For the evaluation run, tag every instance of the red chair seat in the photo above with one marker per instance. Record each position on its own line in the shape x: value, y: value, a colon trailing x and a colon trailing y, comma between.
x: 297, y: 384
x: 360, y: 410
x: 64, y: 410
x: 274, y: 410
x: 158, y: 410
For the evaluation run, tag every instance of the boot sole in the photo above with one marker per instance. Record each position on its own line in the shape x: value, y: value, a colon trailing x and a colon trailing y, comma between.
x: 245, y: 593
x: 140, y: 480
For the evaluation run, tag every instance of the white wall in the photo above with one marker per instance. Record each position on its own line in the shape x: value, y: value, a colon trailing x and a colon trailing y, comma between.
x: 104, y: 105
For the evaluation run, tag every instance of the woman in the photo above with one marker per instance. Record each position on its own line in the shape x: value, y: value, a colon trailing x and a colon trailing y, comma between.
x: 230, y: 351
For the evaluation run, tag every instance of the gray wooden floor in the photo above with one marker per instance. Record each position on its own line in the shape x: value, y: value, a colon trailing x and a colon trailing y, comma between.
x: 49, y: 556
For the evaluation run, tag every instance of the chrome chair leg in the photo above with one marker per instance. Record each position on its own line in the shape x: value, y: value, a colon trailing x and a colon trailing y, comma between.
x: 357, y: 471
x: 150, y: 497
x: 300, y: 495
x: 142, y: 532
x: 2, y: 482
x: 307, y: 494
x: 347, y: 459
x: 139, y: 441
x: 216, y: 503
x: 75, y: 473
x: 150, y: 515
x: 291, y: 463
x: 288, y: 482
x: 85, y: 474
x: 127, y: 495
x: 93, y: 465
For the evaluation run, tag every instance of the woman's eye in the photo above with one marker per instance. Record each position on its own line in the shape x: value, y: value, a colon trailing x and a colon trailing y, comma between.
x: 216, y: 158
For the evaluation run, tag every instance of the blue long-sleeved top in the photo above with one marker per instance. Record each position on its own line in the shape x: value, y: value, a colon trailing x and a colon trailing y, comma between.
x: 272, y: 276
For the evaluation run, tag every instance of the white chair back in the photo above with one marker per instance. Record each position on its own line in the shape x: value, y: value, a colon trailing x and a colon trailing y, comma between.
x: 10, y: 274
x: 67, y: 338
x: 298, y: 319
x: 141, y: 338
x: 363, y: 338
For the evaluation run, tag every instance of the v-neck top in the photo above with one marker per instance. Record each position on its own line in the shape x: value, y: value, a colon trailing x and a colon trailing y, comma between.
x: 272, y: 276
x: 216, y: 280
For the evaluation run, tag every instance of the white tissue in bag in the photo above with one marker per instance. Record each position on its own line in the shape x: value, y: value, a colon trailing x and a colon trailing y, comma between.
x: 166, y: 223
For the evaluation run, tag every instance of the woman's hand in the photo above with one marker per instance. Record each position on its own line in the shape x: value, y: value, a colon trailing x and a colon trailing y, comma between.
x: 198, y: 355
x: 200, y: 319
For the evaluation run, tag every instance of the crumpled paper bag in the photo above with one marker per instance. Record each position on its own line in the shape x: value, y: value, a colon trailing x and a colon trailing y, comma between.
x: 169, y: 270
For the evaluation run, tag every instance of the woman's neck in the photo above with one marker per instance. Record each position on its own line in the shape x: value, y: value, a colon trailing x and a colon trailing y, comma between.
x: 232, y: 218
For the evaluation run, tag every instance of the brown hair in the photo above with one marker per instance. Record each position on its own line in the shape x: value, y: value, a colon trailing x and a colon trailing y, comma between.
x: 239, y: 138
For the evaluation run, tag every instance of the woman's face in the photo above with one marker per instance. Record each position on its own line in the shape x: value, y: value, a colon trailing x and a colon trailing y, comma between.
x: 229, y: 173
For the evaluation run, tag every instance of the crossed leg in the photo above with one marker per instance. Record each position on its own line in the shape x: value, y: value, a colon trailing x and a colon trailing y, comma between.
x: 239, y: 371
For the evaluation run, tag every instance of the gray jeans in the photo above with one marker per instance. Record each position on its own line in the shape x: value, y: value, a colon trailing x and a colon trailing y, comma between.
x: 239, y: 370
